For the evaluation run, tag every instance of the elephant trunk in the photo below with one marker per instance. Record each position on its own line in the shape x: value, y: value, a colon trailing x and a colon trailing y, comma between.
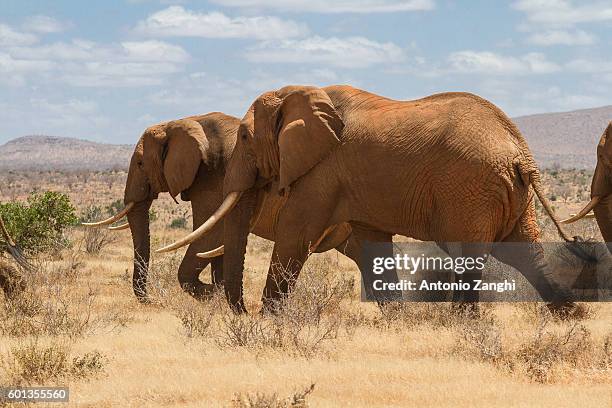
x: 236, y: 232
x: 138, y: 219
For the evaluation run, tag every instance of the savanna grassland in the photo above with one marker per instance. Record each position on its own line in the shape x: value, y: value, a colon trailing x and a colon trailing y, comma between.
x: 78, y: 324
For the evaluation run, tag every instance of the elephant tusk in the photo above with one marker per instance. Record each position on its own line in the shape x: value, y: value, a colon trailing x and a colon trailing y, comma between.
x: 112, y: 219
x: 225, y: 207
x: 212, y: 253
x: 5, y: 233
x: 587, y: 208
x: 313, y: 247
x: 119, y: 227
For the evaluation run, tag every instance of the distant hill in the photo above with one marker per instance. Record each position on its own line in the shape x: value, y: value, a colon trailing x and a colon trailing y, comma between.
x: 62, y: 153
x: 566, y: 139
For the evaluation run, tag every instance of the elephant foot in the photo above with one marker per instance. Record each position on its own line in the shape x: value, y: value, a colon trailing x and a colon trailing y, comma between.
x: 200, y: 291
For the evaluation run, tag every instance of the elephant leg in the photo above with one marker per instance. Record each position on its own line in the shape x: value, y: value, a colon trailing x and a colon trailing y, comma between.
x: 285, y: 266
x: 528, y: 258
x: 466, y: 300
x: 353, y: 247
x: 189, y: 272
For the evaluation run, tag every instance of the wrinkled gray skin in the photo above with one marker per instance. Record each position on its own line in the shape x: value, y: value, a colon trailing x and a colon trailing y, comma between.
x: 446, y: 168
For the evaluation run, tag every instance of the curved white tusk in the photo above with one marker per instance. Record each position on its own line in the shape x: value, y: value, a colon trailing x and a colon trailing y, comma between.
x: 213, y: 253
x: 5, y: 233
x: 119, y: 227
x: 112, y: 219
x: 225, y: 207
x: 594, y: 201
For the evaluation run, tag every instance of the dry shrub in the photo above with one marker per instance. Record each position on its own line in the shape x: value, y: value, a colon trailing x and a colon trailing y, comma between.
x: 253, y: 332
x: 36, y: 363
x: 261, y: 400
x: 543, y: 357
x: 536, y: 311
x: 163, y: 287
x: 485, y: 339
x: 302, y: 321
x: 196, y: 317
x: 96, y: 239
x: 88, y: 365
x: 547, y: 350
x: 11, y: 281
x: 49, y: 305
x: 408, y: 315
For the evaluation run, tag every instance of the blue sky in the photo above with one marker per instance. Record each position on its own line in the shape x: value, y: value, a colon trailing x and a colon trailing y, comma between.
x: 106, y: 70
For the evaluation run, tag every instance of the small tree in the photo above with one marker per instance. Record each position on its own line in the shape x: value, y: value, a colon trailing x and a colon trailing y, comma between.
x: 38, y: 224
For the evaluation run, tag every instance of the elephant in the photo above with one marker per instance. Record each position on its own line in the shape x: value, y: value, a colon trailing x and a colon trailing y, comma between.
x: 601, y: 189
x: 450, y: 167
x: 188, y: 157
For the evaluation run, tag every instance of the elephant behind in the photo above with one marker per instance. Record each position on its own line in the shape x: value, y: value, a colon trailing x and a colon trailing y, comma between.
x: 601, y: 189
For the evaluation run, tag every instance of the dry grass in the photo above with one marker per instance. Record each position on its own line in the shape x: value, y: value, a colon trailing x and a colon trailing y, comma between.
x: 77, y: 323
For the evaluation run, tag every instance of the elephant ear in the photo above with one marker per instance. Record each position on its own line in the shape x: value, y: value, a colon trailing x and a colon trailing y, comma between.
x: 308, y: 129
x: 184, y: 151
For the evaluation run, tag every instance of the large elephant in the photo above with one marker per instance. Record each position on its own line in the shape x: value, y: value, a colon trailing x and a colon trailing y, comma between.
x: 187, y: 157
x: 601, y: 189
x: 447, y: 168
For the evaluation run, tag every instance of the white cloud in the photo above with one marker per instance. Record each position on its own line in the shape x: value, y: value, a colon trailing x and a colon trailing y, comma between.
x: 90, y: 64
x: 564, y: 12
x: 82, y: 50
x: 44, y: 24
x: 176, y: 21
x: 589, y: 66
x: 9, y: 37
x: 337, y: 6
x: 485, y: 62
x: 154, y: 51
x: 71, y: 117
x: 352, y: 52
x: 562, y: 37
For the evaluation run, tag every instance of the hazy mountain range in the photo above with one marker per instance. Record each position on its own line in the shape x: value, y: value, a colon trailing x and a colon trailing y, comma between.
x: 566, y: 139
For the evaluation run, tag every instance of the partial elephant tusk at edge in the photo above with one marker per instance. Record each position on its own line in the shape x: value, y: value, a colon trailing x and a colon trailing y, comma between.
x: 119, y: 227
x: 112, y: 219
x: 225, y: 207
x: 587, y: 208
x: 212, y: 253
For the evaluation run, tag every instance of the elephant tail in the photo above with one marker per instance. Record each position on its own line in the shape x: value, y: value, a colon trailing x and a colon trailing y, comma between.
x: 532, y: 177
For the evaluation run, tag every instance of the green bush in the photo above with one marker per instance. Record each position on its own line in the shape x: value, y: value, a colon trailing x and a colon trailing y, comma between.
x: 38, y: 224
x: 179, y: 223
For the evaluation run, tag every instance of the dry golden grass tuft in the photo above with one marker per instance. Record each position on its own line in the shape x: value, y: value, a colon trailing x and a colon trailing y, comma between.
x: 78, y: 324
